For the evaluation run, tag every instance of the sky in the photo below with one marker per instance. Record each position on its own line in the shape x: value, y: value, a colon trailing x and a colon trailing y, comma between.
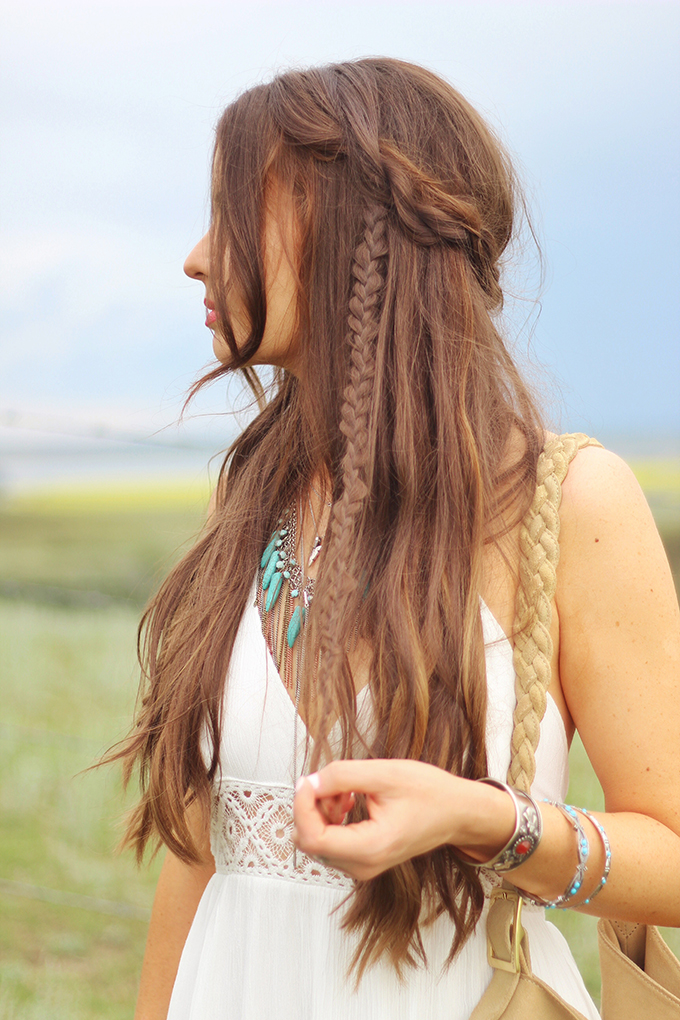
x: 107, y: 114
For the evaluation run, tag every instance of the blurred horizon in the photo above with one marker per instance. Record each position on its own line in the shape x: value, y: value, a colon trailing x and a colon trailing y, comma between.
x: 34, y: 460
x: 38, y: 450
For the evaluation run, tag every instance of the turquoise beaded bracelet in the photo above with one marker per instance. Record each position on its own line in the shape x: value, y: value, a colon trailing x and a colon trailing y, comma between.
x: 607, y: 854
x: 583, y: 850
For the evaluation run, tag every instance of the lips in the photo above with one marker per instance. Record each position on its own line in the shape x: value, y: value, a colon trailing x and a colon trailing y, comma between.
x: 211, y: 317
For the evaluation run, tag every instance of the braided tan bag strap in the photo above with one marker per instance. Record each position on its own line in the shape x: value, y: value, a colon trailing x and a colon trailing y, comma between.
x: 533, y: 647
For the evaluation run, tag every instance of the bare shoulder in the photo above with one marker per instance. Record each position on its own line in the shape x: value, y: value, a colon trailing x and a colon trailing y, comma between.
x: 607, y: 530
x: 619, y: 634
x: 609, y: 542
x: 600, y: 484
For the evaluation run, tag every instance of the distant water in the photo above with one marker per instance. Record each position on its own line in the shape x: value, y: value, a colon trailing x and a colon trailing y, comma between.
x: 29, y: 461
x: 35, y: 466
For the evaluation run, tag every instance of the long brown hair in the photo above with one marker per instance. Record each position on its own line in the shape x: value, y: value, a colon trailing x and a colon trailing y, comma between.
x: 408, y: 400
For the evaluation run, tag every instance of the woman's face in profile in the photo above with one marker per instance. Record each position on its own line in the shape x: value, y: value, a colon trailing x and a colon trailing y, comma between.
x: 279, y: 345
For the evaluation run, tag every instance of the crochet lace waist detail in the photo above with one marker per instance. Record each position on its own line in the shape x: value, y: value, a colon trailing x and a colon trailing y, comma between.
x: 251, y: 831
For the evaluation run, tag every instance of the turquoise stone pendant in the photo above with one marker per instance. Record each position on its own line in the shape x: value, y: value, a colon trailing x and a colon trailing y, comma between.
x: 269, y: 550
x: 278, y: 564
x: 274, y: 589
x: 271, y: 567
x: 295, y: 625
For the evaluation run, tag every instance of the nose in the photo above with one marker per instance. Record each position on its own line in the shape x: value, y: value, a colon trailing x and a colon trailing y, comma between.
x: 198, y: 260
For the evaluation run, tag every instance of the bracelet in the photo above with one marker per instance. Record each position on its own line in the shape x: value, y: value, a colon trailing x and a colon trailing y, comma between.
x: 525, y: 837
x: 583, y: 849
x: 607, y: 854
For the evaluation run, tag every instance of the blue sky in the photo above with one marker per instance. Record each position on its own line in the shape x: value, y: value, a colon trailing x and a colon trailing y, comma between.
x: 107, y: 117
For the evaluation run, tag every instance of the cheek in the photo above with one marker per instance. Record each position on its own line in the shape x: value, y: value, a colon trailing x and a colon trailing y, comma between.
x: 280, y: 340
x: 238, y: 318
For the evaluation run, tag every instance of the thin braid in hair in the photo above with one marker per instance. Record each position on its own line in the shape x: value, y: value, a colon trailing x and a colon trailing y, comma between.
x: 340, y: 582
x: 430, y: 215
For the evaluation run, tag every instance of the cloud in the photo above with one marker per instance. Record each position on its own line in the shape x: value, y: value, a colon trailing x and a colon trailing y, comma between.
x: 108, y: 111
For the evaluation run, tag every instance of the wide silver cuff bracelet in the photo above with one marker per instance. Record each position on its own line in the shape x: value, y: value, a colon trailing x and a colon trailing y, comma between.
x: 526, y: 836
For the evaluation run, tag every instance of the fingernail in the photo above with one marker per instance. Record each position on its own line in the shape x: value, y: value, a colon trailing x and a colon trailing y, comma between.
x: 314, y: 780
x: 298, y: 785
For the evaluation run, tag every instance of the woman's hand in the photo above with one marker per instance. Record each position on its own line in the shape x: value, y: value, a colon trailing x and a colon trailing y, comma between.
x: 413, y: 808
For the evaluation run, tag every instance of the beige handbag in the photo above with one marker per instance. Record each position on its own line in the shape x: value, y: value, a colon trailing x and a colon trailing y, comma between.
x: 640, y: 975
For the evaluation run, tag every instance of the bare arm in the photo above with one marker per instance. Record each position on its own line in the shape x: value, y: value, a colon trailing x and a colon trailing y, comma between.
x: 619, y: 670
x: 178, y: 893
x: 179, y: 890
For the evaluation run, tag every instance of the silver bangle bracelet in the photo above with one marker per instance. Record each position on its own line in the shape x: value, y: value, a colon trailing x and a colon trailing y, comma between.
x: 607, y: 854
x: 525, y: 837
x: 582, y: 850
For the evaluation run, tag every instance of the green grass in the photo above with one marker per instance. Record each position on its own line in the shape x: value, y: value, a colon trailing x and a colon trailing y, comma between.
x: 68, y: 689
x: 61, y: 963
x: 660, y: 480
x: 93, y: 545
x: 68, y: 686
x: 69, y: 681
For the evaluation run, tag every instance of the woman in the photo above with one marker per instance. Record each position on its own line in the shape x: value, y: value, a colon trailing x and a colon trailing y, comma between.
x: 347, y: 614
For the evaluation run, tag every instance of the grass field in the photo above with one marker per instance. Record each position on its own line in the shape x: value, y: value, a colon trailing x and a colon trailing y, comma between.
x: 75, y: 568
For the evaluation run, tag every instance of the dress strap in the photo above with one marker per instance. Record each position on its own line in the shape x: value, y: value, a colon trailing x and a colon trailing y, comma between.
x: 533, y: 646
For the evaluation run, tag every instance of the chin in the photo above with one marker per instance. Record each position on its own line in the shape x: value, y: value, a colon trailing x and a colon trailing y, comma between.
x: 221, y: 350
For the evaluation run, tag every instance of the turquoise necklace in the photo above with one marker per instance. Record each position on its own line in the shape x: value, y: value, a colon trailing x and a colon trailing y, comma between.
x: 280, y: 572
x: 278, y: 565
x: 281, y: 580
x: 283, y: 583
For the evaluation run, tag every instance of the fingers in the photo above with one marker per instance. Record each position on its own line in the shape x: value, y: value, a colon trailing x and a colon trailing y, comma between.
x: 347, y: 802
x: 309, y: 819
x: 412, y: 808
x: 374, y: 776
x: 348, y: 848
x: 318, y: 831
x: 335, y: 808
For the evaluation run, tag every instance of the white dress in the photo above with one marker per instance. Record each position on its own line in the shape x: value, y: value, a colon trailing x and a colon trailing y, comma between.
x: 265, y: 941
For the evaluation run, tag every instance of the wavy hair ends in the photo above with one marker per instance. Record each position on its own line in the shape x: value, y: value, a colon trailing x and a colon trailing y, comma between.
x: 408, y: 400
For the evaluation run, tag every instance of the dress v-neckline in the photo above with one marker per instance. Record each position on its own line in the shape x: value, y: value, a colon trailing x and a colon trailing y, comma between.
x: 500, y: 636
x: 498, y: 656
x: 271, y: 666
x: 361, y: 694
